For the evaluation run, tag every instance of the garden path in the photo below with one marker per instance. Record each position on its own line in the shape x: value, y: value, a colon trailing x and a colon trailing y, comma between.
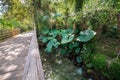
x: 13, y: 54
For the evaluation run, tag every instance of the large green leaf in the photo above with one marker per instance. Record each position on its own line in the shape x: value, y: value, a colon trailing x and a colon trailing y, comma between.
x: 51, y: 37
x: 73, y: 44
x: 45, y: 31
x: 67, y: 31
x: 43, y: 39
x: 54, y: 32
x: 86, y: 35
x: 66, y: 38
x: 52, y: 43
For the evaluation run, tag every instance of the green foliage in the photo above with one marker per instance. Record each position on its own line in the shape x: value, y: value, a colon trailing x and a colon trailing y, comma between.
x: 8, y: 24
x: 52, y: 43
x: 99, y: 62
x: 114, y: 70
x: 79, y: 5
x: 110, y: 70
x: 98, y: 15
x: 65, y: 38
x: 16, y: 14
x: 73, y: 45
x: 112, y: 32
x: 88, y: 51
x: 86, y: 35
x: 65, y: 41
x: 77, y: 50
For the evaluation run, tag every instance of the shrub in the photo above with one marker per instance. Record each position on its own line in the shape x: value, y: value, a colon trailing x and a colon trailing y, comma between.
x: 114, y: 70
x: 66, y: 41
x: 65, y: 38
x: 99, y: 62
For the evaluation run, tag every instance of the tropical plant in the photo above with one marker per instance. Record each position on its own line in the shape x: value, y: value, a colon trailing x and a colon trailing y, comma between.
x: 66, y: 41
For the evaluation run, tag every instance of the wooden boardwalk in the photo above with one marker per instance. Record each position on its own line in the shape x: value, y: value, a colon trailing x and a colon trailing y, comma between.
x: 13, y: 54
x: 33, y: 68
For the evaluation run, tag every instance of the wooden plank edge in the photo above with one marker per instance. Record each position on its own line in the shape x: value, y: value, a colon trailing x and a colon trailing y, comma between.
x: 33, y: 67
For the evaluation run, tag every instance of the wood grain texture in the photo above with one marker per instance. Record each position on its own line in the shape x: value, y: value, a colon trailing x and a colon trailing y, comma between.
x: 33, y: 68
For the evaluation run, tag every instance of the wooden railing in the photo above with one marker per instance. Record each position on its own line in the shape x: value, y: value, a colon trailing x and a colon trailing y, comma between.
x: 33, y: 67
x: 4, y: 34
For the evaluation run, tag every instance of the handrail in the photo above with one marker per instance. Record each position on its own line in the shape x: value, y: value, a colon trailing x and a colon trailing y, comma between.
x: 4, y: 34
x: 33, y: 67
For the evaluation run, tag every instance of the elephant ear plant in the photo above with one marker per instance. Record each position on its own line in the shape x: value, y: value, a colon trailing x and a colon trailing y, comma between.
x: 66, y: 42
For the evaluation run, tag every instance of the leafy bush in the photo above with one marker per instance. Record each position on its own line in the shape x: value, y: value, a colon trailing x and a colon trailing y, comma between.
x: 114, y: 70
x: 111, y: 71
x: 87, y: 52
x: 8, y: 24
x: 99, y: 62
x: 66, y: 41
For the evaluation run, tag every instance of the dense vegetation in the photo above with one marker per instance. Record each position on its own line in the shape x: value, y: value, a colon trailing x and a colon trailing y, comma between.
x: 85, y: 32
x: 69, y: 26
x: 16, y: 13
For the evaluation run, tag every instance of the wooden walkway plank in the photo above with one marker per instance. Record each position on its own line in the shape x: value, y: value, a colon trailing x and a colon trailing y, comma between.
x: 13, y: 54
x: 33, y: 68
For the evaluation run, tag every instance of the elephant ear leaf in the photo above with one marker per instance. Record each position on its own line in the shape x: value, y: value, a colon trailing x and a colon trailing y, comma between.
x: 86, y: 35
x: 67, y: 38
x: 45, y: 31
x: 52, y: 43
